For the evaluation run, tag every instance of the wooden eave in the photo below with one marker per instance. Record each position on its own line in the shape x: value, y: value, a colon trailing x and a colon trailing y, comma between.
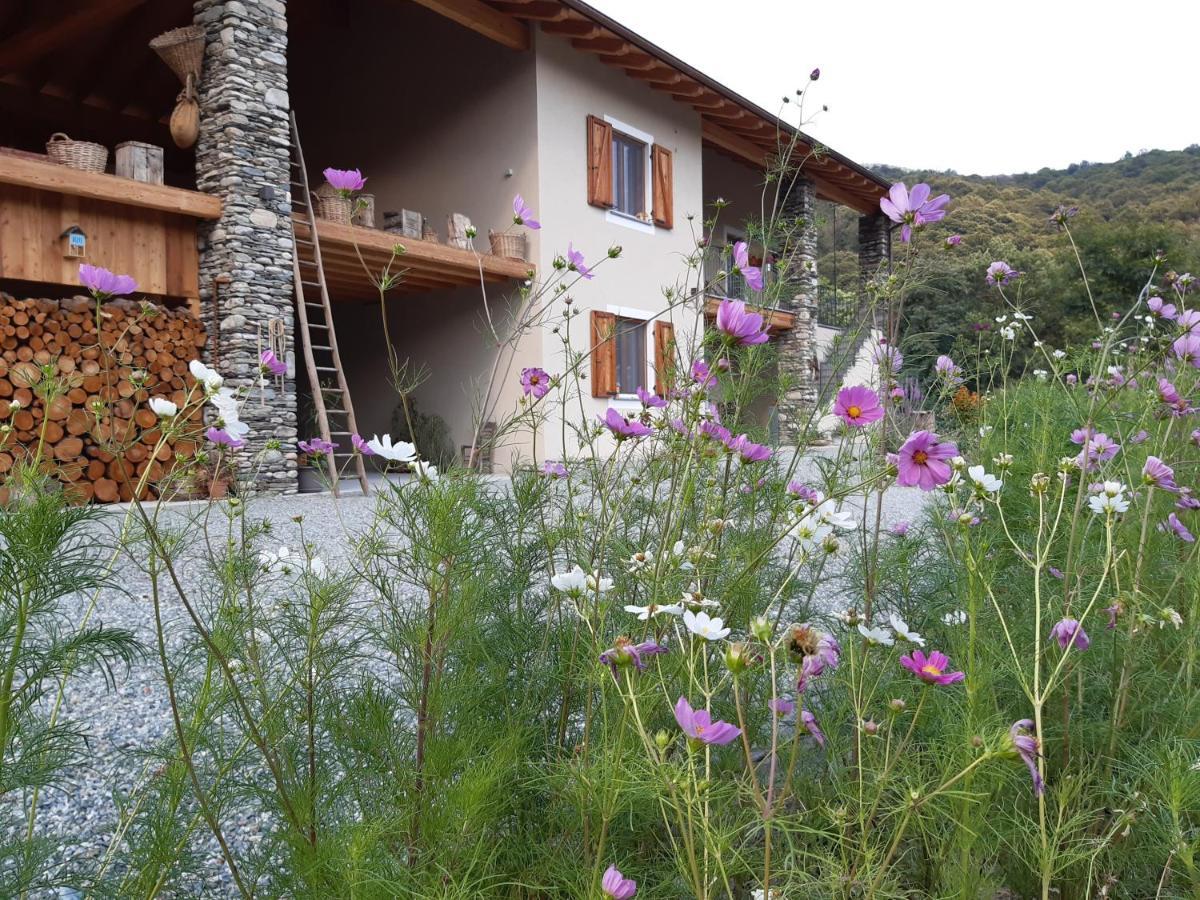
x: 353, y: 257
x: 730, y: 123
x: 777, y: 320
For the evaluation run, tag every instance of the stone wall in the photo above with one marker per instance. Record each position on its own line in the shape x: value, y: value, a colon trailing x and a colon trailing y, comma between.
x: 243, y: 157
x: 874, y: 247
x: 797, y: 346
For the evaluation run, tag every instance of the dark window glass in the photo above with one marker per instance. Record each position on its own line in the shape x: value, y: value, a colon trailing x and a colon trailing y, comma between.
x: 629, y: 175
x: 631, y: 355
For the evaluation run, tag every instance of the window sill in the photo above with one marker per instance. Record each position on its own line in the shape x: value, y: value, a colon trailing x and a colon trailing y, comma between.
x: 627, y: 221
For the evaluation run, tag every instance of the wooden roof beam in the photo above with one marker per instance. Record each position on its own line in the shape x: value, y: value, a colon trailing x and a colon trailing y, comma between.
x: 577, y: 28
x: 538, y: 10
x: 605, y: 44
x: 483, y: 19
x: 732, y: 143
x: 59, y: 30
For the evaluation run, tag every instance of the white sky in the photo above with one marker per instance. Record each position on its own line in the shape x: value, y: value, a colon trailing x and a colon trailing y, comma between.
x: 979, y: 86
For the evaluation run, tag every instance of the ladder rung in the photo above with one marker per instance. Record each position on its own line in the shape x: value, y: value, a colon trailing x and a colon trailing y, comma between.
x: 318, y: 325
x: 310, y: 283
x: 319, y: 347
x: 327, y: 369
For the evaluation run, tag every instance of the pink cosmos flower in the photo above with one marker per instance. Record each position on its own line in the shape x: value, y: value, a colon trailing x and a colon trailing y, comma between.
x: 523, y: 214
x: 103, y: 283
x: 616, y: 886
x: 345, y: 181
x: 1000, y: 273
x: 1057, y: 572
x: 1187, y: 349
x: 947, y: 368
x: 316, y: 446
x: 887, y: 357
x: 954, y: 240
x: 272, y: 363
x: 809, y: 723
x: 649, y: 400
x: 1097, y: 449
x: 857, y: 406
x: 1139, y: 437
x: 1114, y: 613
x: 1025, y: 743
x: 1171, y: 398
x: 804, y: 492
x: 815, y: 650
x: 1160, y: 309
x: 702, y: 375
x: 715, y: 431
x: 535, y: 381
x: 923, y: 461
x: 361, y: 446
x: 698, y: 725
x: 622, y: 427
x: 932, y: 668
x: 741, y: 263
x: 1159, y: 474
x: 575, y: 262
x: 223, y: 438
x: 554, y: 469
x: 912, y: 209
x: 625, y: 652
x: 1069, y: 633
x: 781, y: 706
x: 900, y: 529
x: 749, y: 451
x: 1178, y: 529
x: 735, y: 321
x: 1189, y: 320
x: 1196, y: 437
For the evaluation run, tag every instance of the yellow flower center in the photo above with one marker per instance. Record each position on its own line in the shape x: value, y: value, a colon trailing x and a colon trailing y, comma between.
x: 919, y: 458
x: 931, y: 669
x: 854, y: 412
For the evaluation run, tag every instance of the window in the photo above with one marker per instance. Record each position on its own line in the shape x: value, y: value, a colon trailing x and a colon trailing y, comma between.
x: 630, y: 345
x: 629, y: 175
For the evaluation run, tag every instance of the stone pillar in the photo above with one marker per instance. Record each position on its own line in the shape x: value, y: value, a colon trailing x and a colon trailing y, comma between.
x: 797, y: 346
x: 874, y: 248
x: 242, y: 156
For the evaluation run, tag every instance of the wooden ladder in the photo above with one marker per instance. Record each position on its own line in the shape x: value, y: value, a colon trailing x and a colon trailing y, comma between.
x: 315, y: 326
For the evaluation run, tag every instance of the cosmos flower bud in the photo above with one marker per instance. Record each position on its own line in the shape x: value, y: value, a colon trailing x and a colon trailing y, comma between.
x: 760, y: 627
x: 897, y: 705
x: 870, y: 727
x: 737, y: 657
x: 662, y: 740
x: 1039, y: 483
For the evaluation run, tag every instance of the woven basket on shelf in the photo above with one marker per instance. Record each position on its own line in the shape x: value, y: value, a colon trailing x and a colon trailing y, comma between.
x: 82, y: 155
x: 182, y: 49
x: 506, y: 244
x: 328, y: 204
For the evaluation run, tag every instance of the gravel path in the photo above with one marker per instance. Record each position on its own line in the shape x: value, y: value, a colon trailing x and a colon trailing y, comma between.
x: 135, y: 715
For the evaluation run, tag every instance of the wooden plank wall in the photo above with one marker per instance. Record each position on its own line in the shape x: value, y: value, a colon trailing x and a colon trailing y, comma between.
x: 157, y: 248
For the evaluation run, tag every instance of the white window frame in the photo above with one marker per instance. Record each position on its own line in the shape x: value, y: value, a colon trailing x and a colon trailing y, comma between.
x: 625, y: 220
x: 626, y: 402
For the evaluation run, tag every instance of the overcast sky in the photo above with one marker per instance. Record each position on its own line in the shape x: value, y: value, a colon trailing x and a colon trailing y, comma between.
x: 979, y: 86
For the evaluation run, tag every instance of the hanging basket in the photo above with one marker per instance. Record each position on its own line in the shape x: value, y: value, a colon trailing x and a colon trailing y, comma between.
x: 183, y: 50
x: 82, y: 155
x: 508, y: 245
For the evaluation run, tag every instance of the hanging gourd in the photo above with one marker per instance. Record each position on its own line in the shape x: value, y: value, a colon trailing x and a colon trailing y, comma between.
x: 183, y: 50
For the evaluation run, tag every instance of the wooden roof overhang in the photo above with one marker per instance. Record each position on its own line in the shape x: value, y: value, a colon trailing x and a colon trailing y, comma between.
x: 354, y: 257
x: 730, y: 123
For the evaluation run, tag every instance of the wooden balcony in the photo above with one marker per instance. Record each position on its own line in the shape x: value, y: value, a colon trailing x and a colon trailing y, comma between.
x: 350, y: 252
x: 777, y: 320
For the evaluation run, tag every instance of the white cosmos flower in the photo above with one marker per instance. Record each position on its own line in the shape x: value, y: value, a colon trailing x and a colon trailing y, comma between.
x: 285, y: 561
x: 638, y: 562
x: 401, y: 451
x: 162, y: 407
x: 1168, y: 616
x: 1059, y: 354
x: 900, y: 627
x: 597, y: 581
x: 1008, y: 333
x: 1108, y: 503
x: 573, y: 582
x: 985, y: 482
x: 647, y: 612
x: 701, y: 625
x: 423, y: 470
x: 957, y: 617
x: 880, y: 636
x: 210, y: 378
x: 837, y: 518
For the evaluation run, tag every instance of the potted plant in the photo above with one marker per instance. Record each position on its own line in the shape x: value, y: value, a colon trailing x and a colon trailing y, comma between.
x: 335, y: 198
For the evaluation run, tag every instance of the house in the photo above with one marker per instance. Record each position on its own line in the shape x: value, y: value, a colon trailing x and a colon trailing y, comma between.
x: 447, y: 106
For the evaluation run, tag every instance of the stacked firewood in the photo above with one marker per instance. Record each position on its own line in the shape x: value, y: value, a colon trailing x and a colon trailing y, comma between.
x: 74, y: 387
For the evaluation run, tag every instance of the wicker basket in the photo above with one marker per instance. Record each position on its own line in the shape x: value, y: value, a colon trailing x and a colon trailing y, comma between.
x: 82, y: 155
x: 507, y: 244
x: 183, y: 50
x: 328, y: 204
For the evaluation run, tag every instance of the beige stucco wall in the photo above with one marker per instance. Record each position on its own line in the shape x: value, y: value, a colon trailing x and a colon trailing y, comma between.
x: 570, y: 86
x: 436, y: 117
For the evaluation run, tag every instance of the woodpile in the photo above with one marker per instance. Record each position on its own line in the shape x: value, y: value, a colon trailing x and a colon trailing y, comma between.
x: 82, y: 396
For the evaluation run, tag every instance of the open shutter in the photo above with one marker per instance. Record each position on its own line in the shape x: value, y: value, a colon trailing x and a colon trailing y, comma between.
x: 599, y: 156
x: 664, y: 357
x: 604, y: 354
x: 663, y: 174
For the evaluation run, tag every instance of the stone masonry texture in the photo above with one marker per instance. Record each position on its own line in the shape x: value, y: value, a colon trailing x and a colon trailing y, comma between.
x: 242, y: 156
x: 797, y: 346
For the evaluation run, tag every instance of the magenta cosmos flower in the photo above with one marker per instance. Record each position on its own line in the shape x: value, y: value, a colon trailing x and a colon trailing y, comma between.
x: 741, y: 263
x: 360, y: 445
x: 1187, y: 349
x: 781, y: 706
x: 523, y: 214
x: 1159, y: 474
x: 316, y: 446
x: 745, y: 327
x: 624, y: 428
x: 1025, y: 744
x: 625, y: 652
x: 1069, y: 633
x: 554, y: 469
x: 702, y: 375
x: 749, y: 451
x: 649, y: 400
x: 932, y: 668
x: 1170, y: 396
x: 223, y: 438
x: 809, y: 723
x: 345, y: 181
x: 888, y: 358
x: 575, y: 262
x: 698, y: 725
x: 103, y: 283
x: 617, y: 886
x: 857, y: 406
x: 1099, y: 448
x: 1000, y: 273
x: 947, y: 368
x: 912, y: 209
x: 954, y: 240
x: 923, y: 461
x: 1178, y: 529
x: 535, y: 381
x: 1160, y: 309
x: 272, y: 363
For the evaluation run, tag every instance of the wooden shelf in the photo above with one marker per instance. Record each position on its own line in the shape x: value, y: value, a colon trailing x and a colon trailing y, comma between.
x: 425, y: 265
x: 46, y: 176
x: 776, y: 319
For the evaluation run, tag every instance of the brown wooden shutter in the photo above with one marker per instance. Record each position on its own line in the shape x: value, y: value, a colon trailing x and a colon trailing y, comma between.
x: 604, y: 354
x: 662, y: 166
x: 599, y: 157
x: 664, y: 357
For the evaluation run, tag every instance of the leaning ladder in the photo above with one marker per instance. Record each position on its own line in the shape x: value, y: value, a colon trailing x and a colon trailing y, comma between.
x: 317, y: 337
